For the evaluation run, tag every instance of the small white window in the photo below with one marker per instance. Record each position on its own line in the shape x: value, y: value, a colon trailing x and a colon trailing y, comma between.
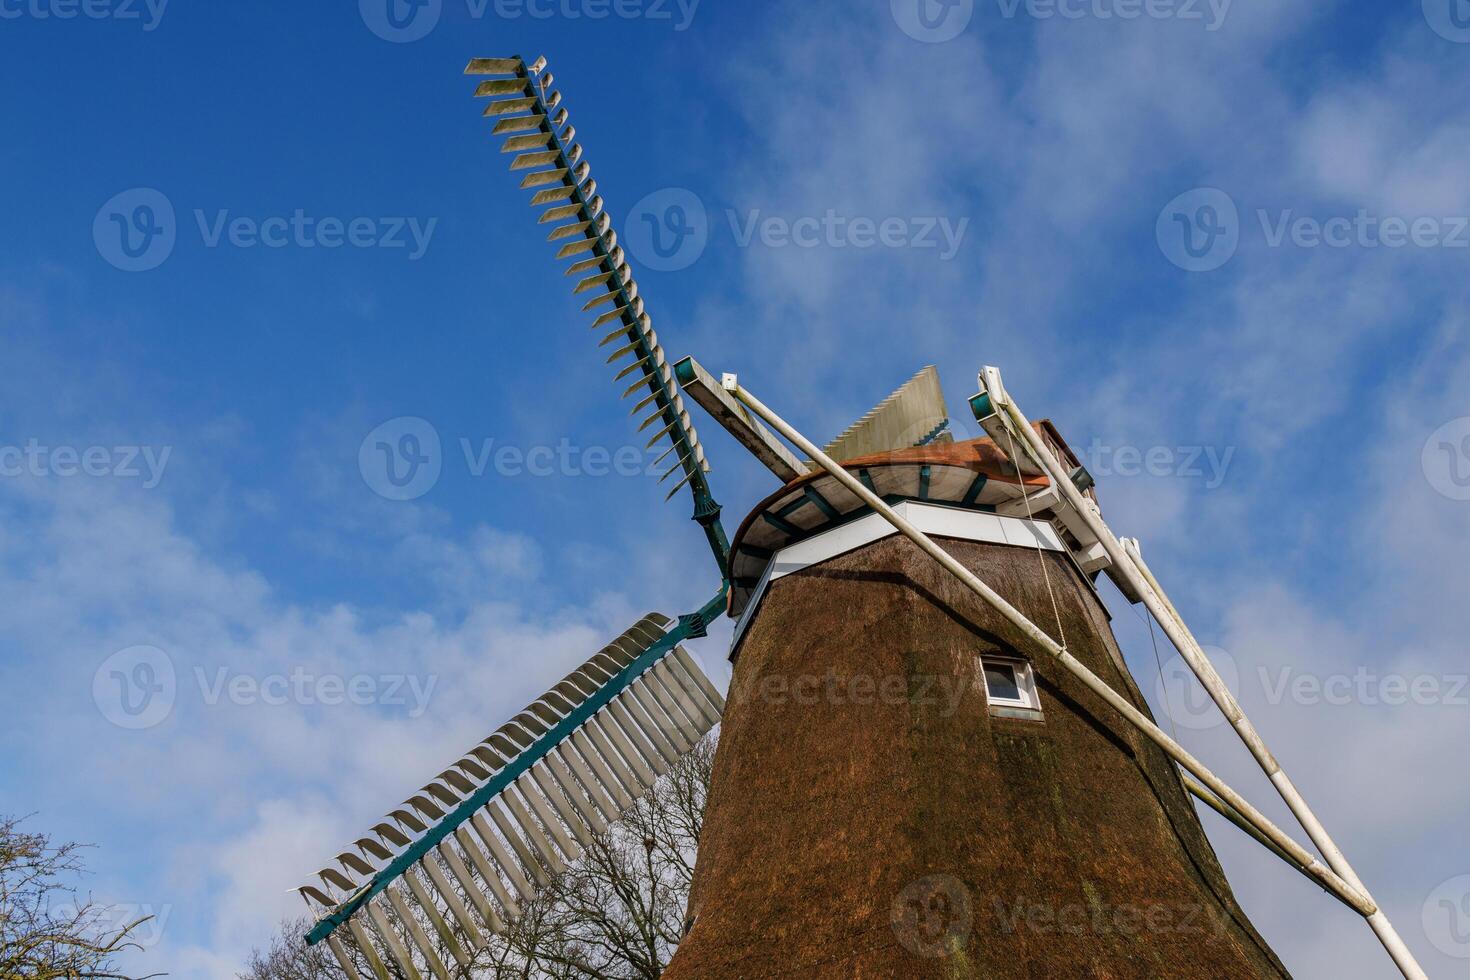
x: 1009, y: 683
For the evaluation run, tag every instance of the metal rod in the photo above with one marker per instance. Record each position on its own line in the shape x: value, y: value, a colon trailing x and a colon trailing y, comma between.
x: 1313, y: 866
x: 1189, y: 648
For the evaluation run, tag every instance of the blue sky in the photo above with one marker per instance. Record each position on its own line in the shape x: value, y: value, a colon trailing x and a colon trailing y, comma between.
x: 226, y: 520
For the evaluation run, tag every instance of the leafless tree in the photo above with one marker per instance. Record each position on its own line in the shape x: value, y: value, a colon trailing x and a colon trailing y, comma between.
x: 46, y: 930
x: 615, y: 914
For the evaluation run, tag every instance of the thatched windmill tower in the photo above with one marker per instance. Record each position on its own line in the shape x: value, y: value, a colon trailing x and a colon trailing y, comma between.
x: 901, y: 791
x: 934, y: 761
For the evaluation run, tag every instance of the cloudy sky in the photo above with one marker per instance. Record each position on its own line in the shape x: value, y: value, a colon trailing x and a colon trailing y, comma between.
x: 1224, y: 245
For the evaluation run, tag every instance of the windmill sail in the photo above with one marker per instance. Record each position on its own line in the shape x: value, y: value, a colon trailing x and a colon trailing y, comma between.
x: 528, y: 110
x: 914, y: 415
x: 453, y: 865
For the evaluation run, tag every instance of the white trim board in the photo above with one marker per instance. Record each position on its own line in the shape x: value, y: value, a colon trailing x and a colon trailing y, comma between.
x: 932, y: 519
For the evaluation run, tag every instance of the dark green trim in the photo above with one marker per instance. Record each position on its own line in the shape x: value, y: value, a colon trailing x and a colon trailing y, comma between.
x: 867, y: 479
x: 519, y: 765
x: 785, y: 527
x: 973, y: 494
x: 924, y: 474
x: 821, y: 504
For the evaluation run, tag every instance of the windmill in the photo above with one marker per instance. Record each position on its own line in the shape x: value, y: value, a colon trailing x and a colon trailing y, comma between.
x: 875, y: 554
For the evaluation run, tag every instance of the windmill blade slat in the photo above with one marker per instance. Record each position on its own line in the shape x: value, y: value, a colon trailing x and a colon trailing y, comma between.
x: 605, y: 774
x: 416, y: 934
x: 549, y: 819
x: 391, y: 941
x: 648, y: 727
x: 369, y: 952
x: 500, y: 86
x: 539, y: 159
x: 339, y: 952
x: 492, y: 66
x: 630, y: 739
x: 507, y: 106
x: 611, y: 731
x: 549, y: 860
x: 573, y: 792
x: 667, y: 727
x: 675, y: 710
x: 533, y: 793
x: 529, y: 864
x: 518, y: 124
x: 427, y: 908
x: 508, y: 864
x: 472, y: 891
x: 594, y: 788
x: 571, y: 818
x: 490, y: 876
x: 450, y: 896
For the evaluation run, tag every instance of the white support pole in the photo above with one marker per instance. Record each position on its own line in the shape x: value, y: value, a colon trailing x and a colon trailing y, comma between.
x: 1129, y: 565
x: 1314, y: 867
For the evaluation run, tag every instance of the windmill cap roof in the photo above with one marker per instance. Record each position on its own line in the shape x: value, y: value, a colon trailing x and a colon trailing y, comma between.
x: 974, y: 474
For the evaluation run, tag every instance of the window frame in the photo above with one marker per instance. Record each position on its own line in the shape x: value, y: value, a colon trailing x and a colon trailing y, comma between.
x: 1025, y: 675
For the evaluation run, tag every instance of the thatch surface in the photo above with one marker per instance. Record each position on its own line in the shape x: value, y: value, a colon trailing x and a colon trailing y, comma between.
x: 846, y: 834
